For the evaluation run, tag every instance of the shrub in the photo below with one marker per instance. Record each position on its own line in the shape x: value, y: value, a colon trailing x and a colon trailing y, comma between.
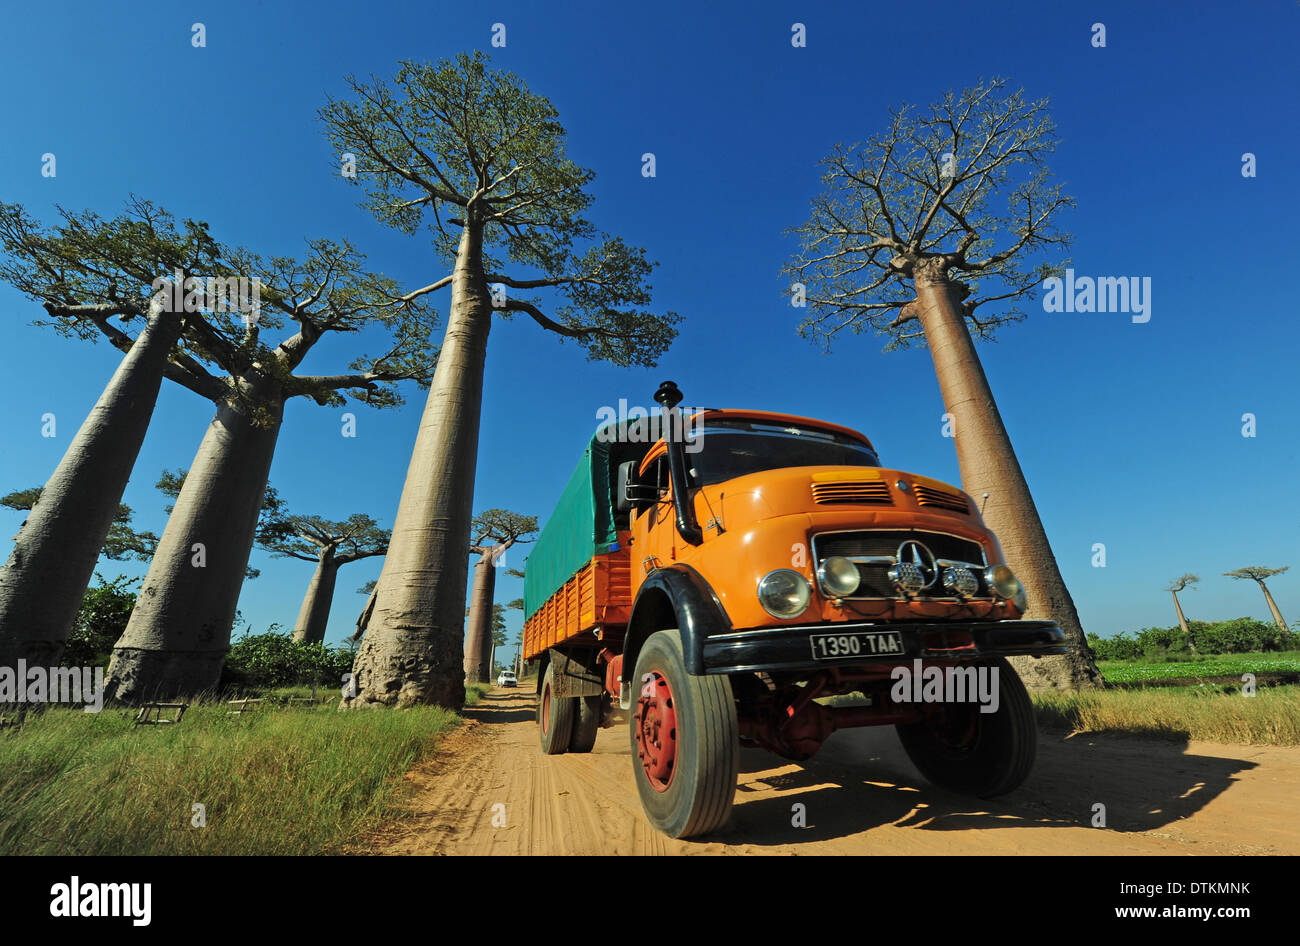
x: 1242, y: 635
x: 100, y: 622
x: 1237, y: 636
x: 1119, y: 647
x: 272, y: 659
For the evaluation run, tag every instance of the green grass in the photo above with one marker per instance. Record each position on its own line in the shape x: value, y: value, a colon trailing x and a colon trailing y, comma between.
x: 1152, y: 670
x: 1210, y: 713
x: 299, y: 780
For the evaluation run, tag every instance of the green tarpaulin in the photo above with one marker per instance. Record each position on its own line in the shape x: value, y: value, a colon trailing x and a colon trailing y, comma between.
x: 582, y: 523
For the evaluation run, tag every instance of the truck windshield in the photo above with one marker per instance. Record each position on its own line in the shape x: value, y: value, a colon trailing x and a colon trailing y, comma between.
x: 738, y: 447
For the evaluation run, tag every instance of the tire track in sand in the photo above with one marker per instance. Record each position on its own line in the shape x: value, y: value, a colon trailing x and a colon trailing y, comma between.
x: 860, y: 796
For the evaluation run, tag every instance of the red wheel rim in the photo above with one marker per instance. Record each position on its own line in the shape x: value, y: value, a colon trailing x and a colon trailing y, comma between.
x: 656, y: 731
x: 546, y: 707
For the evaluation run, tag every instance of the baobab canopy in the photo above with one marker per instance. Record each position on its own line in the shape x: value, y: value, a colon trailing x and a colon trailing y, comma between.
x: 582, y: 525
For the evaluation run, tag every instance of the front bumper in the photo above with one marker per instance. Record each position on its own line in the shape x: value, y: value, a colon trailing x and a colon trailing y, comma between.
x: 787, y: 648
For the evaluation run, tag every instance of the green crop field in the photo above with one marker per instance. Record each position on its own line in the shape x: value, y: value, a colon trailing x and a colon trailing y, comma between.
x: 1140, y: 671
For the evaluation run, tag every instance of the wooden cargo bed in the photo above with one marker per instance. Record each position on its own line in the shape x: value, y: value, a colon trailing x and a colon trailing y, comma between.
x: 599, y: 595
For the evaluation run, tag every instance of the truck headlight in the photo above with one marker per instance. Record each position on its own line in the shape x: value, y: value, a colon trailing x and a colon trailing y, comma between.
x: 784, y: 593
x: 1004, y: 583
x: 838, y: 577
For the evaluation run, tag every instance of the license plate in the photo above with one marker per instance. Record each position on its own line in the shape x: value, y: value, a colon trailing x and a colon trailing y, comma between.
x: 856, y: 644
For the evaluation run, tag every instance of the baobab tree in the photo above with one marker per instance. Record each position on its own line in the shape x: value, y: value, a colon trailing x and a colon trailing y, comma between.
x: 499, y: 634
x: 330, y: 545
x: 1175, y: 586
x: 179, y: 631
x: 925, y: 235
x: 472, y: 158
x: 121, y: 543
x: 86, y: 272
x: 495, y: 531
x: 1257, y: 573
x: 496, y: 639
x: 171, y: 482
x: 363, y: 619
x: 519, y: 650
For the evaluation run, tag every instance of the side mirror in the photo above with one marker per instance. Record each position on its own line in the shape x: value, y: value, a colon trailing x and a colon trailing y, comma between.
x: 628, y: 493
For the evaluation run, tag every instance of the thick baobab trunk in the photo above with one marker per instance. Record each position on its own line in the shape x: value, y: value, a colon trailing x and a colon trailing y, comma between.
x: 1182, y: 622
x: 988, y: 465
x: 478, y: 635
x: 413, y: 651
x: 1272, y: 607
x: 53, y: 559
x: 179, y: 632
x: 314, y: 615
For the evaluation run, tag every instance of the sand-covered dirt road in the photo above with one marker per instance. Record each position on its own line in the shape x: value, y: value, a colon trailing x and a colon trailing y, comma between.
x: 490, y: 791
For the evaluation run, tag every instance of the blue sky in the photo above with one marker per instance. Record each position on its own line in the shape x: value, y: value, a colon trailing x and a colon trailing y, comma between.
x: 1129, y: 434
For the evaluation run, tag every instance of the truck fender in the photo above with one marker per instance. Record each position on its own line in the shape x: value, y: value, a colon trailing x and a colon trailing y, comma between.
x: 675, y: 596
x: 543, y: 660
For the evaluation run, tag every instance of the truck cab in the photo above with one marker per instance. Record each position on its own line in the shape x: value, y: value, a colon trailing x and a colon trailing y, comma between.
x: 756, y: 564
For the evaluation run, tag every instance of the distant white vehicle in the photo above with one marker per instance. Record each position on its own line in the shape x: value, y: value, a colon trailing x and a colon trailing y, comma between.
x: 507, y: 679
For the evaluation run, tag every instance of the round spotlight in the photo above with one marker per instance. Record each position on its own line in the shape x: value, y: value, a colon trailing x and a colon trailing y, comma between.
x: 907, y: 578
x: 838, y: 577
x: 960, y: 581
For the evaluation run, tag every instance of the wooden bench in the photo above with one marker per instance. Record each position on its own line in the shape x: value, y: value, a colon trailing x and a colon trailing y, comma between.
x: 156, y: 708
x: 306, y: 701
x: 243, y: 705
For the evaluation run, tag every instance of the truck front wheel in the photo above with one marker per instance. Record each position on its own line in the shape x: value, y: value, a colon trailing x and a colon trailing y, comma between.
x: 685, y: 741
x: 554, y: 716
x: 975, y: 753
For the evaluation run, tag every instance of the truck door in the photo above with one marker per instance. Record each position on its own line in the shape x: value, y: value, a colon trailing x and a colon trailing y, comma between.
x: 653, y: 525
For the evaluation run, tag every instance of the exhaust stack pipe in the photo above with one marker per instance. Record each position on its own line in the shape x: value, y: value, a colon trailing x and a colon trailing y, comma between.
x: 668, y: 397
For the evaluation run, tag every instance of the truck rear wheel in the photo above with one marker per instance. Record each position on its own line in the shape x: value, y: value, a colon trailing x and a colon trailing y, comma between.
x: 586, y: 723
x: 982, y: 754
x: 554, y: 716
x: 685, y: 741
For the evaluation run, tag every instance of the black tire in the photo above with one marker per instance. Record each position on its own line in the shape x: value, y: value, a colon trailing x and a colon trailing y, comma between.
x: 697, y: 796
x: 554, y: 716
x: 586, y: 723
x: 974, y: 753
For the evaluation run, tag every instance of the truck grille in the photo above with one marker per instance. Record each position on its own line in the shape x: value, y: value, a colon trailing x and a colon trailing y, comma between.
x: 852, y: 493
x: 880, y: 546
x: 941, y: 499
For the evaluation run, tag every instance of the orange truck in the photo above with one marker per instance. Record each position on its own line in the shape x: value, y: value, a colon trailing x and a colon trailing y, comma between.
x: 720, y: 582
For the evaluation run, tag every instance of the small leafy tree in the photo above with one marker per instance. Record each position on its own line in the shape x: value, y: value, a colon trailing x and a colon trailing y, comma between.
x: 121, y: 543
x: 100, y: 621
x: 273, y: 659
